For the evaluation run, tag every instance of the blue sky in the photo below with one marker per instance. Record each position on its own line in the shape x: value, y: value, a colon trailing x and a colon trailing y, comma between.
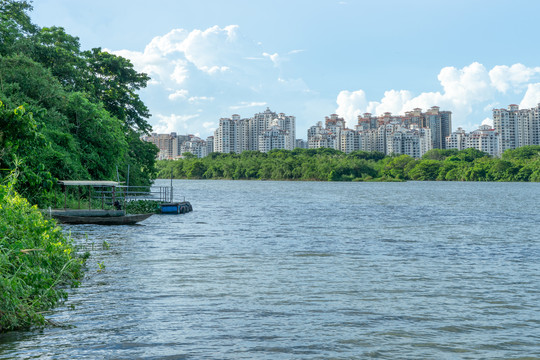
x: 211, y: 59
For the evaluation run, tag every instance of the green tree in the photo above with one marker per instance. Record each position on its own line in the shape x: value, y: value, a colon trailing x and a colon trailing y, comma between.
x: 15, y: 26
x: 425, y: 170
x: 60, y: 52
x: 114, y: 81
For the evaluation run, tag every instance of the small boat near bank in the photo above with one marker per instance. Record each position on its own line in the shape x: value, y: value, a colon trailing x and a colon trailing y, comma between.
x: 94, y: 216
x: 97, y: 217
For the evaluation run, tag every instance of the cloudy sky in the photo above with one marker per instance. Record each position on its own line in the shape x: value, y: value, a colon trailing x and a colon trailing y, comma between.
x: 211, y: 58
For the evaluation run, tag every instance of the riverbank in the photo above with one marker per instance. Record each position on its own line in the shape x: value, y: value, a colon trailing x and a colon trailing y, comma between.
x: 37, y: 263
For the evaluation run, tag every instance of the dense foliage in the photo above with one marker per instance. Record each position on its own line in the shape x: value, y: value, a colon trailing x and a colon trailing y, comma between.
x: 36, y: 263
x: 522, y: 164
x: 66, y: 113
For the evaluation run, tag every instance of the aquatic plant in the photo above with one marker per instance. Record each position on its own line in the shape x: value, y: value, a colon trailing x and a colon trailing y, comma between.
x: 142, y: 207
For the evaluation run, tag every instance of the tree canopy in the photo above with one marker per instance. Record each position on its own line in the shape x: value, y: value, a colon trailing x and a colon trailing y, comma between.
x: 67, y: 113
x: 331, y: 165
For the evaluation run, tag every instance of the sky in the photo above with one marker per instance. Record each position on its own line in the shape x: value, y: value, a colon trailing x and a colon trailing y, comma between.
x: 209, y: 59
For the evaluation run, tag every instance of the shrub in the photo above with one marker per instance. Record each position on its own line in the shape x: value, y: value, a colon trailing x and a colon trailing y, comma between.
x: 37, y: 262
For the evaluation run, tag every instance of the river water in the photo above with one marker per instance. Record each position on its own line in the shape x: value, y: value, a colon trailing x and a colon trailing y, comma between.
x: 309, y: 270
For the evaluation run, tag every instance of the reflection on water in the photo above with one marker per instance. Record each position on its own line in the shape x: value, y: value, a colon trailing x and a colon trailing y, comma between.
x: 295, y: 270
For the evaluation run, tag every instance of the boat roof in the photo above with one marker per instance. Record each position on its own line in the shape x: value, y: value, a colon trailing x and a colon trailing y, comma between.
x: 87, y: 182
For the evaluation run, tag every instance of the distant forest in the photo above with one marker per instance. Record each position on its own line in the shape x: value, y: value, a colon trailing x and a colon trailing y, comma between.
x: 522, y: 164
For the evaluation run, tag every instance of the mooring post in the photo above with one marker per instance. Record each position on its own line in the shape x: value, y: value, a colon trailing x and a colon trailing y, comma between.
x: 171, y: 186
x: 65, y: 196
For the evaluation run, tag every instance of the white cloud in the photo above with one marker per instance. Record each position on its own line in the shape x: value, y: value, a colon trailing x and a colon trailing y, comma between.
x: 176, y: 56
x: 273, y: 57
x: 218, y: 63
x: 393, y: 101
x: 173, y: 123
x: 245, y: 104
x: 516, y: 76
x: 180, y: 72
x: 214, y: 49
x: 351, y: 104
x: 532, y: 96
x: 178, y: 94
x: 488, y: 121
x: 492, y: 106
x: 296, y: 51
x: 198, y: 99
x: 209, y: 125
x: 463, y: 92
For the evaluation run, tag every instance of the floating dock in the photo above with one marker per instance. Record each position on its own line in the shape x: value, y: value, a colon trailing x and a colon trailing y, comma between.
x: 176, y: 207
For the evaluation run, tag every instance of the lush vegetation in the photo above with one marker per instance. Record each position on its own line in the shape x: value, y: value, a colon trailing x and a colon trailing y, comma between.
x: 66, y: 113
x: 522, y: 164
x: 37, y: 262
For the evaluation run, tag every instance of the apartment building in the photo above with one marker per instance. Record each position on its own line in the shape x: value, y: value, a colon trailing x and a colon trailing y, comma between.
x: 236, y: 134
x: 517, y: 127
x: 485, y: 139
x: 169, y: 145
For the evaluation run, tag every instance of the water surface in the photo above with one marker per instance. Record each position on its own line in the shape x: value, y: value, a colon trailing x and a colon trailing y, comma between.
x: 309, y: 270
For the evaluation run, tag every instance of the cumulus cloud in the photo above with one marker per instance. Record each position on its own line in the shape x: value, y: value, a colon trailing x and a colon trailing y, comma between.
x: 351, y: 104
x: 488, y: 121
x: 245, y: 104
x: 173, y: 123
x: 532, y: 96
x: 516, y: 76
x: 463, y: 90
x: 209, y: 71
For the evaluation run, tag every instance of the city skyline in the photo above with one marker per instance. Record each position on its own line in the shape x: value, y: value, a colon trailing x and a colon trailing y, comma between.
x: 343, y: 57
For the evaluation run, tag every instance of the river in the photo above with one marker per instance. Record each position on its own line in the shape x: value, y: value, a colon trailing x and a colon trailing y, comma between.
x: 308, y: 270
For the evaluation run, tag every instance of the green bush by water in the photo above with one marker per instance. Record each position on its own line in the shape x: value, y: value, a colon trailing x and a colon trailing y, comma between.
x: 37, y: 263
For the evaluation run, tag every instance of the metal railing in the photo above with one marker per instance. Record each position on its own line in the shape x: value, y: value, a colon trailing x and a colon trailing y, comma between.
x: 124, y: 194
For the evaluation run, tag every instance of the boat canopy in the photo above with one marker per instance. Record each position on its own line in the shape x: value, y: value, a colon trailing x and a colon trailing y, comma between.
x: 87, y: 183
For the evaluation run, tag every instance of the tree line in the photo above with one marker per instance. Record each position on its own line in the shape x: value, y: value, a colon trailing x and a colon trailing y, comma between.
x: 522, y: 164
x: 66, y: 113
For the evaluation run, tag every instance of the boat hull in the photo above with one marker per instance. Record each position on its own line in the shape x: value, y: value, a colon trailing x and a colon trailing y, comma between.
x: 101, y: 220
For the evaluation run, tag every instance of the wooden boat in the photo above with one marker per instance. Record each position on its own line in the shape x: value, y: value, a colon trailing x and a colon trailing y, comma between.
x: 127, y: 219
x: 94, y: 216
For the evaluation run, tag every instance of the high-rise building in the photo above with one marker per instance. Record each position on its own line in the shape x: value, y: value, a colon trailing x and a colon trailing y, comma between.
x: 457, y: 140
x: 414, y: 142
x: 440, y: 123
x: 517, y: 127
x: 194, y: 145
x: 485, y: 139
x: 274, y: 138
x: 236, y: 135
x: 209, y: 145
x: 414, y: 133
x: 169, y: 144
